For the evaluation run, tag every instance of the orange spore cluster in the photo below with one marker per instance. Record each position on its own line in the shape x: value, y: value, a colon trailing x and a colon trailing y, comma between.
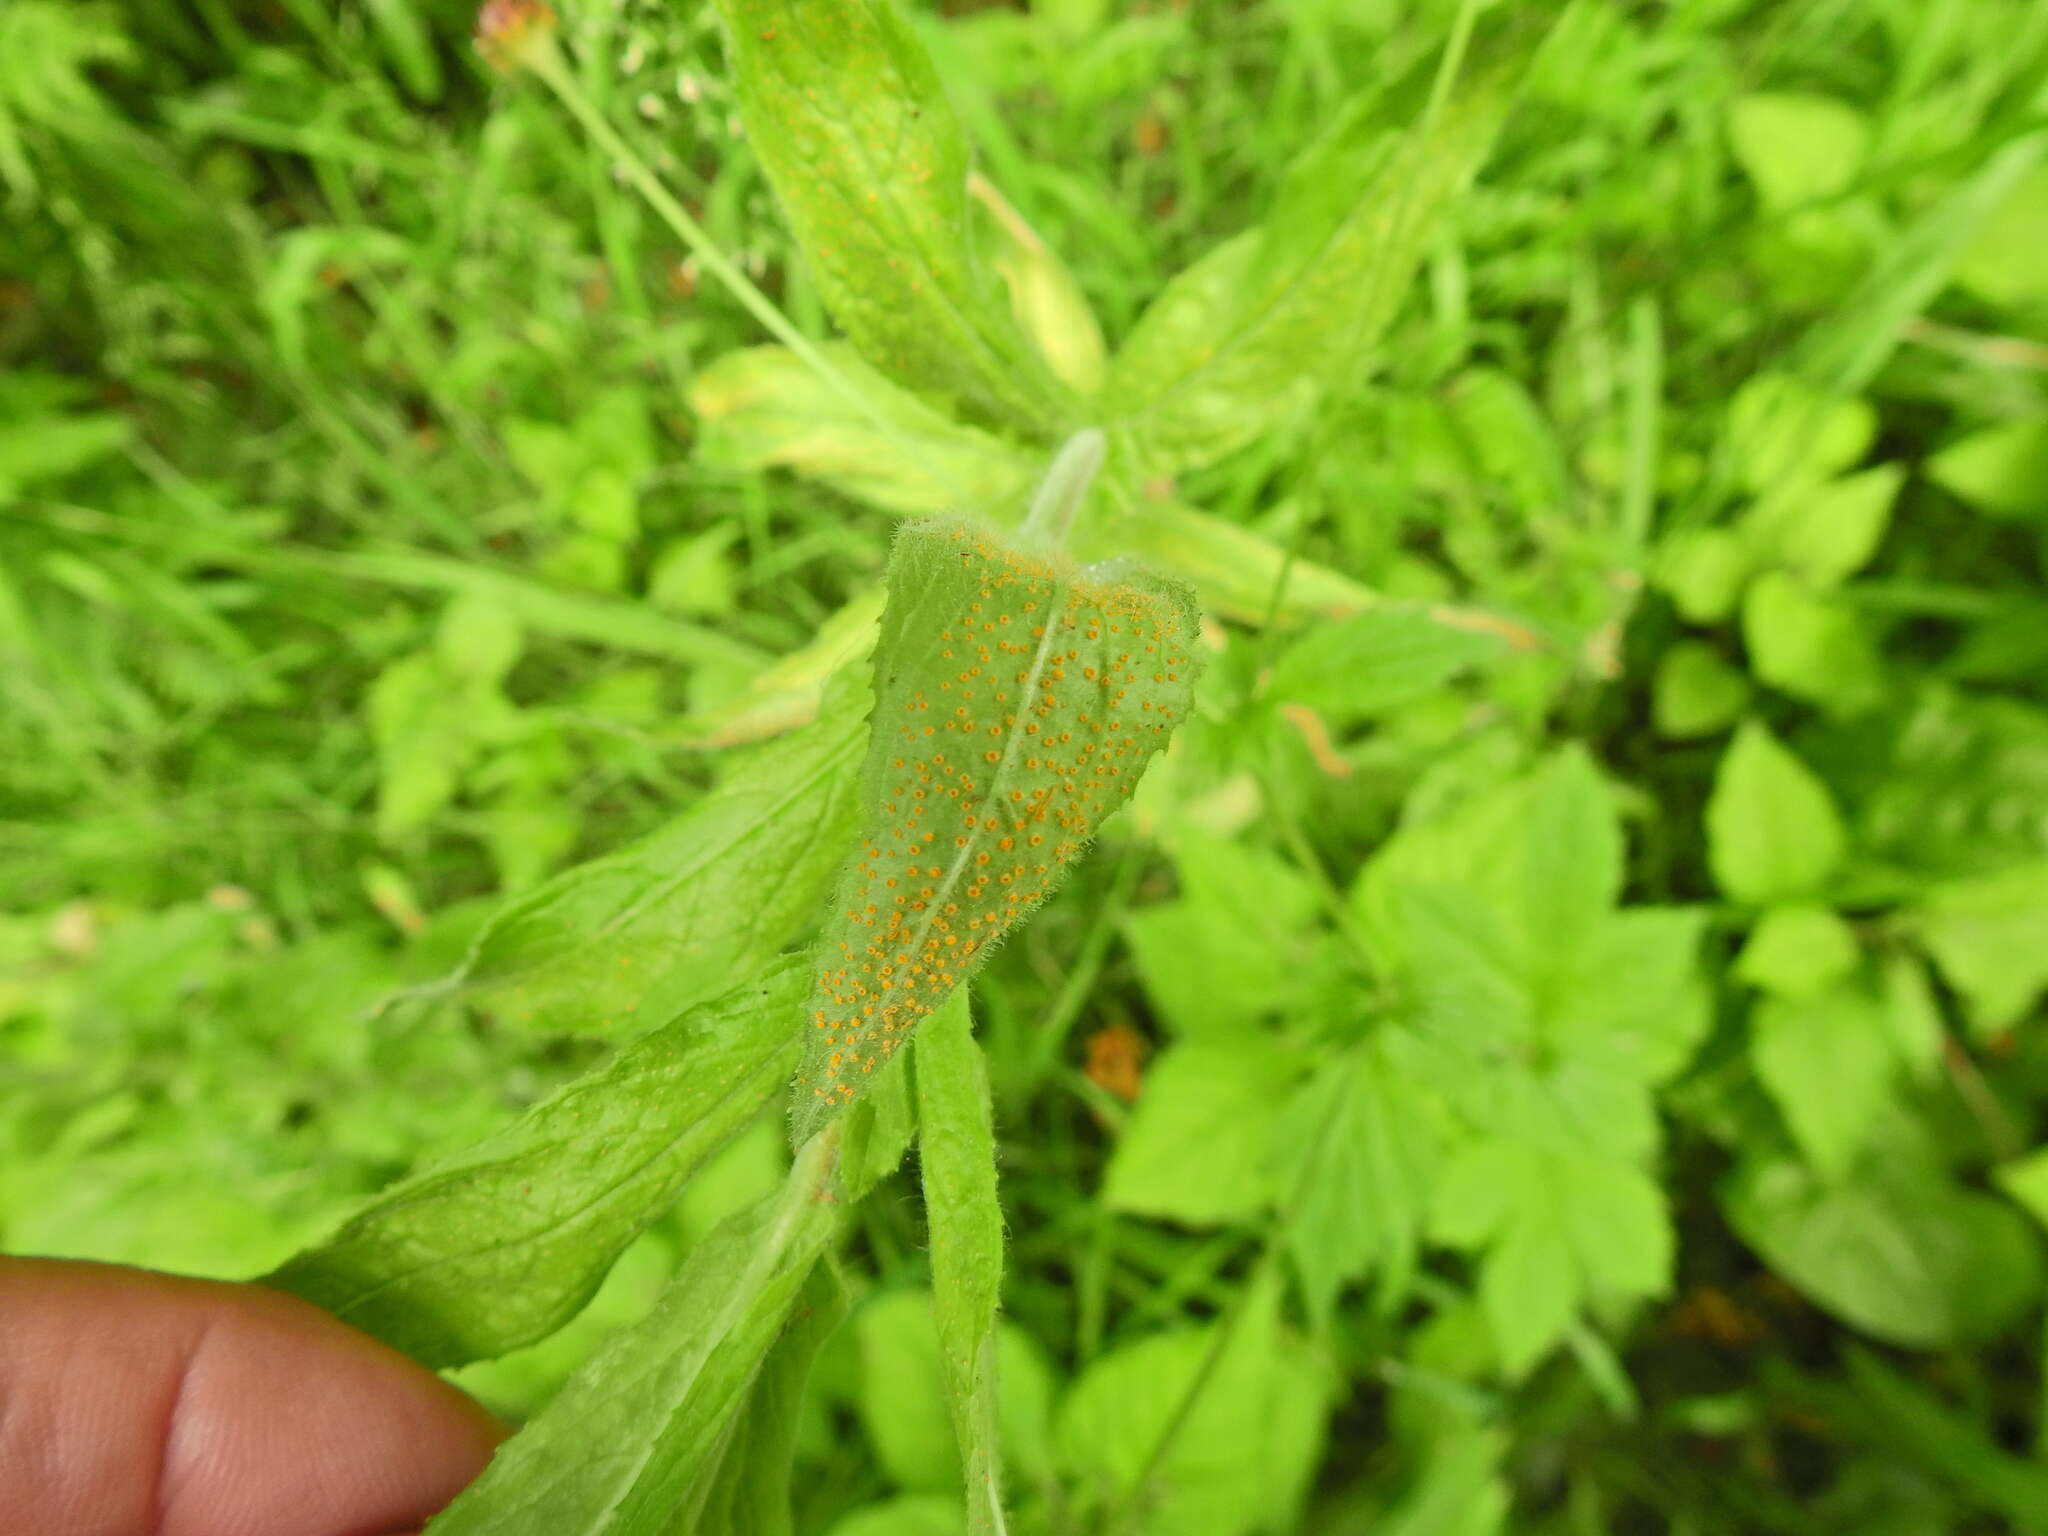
x: 1026, y: 701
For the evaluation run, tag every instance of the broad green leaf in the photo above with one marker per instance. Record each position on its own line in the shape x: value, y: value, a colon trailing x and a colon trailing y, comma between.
x: 1797, y: 148
x: 634, y: 1436
x: 765, y: 406
x: 957, y: 1153
x: 1239, y: 946
x: 1018, y: 698
x: 1354, y: 1155
x: 1824, y: 533
x: 1557, y: 1227
x: 1198, y: 1148
x: 1773, y: 833
x: 2001, y: 470
x: 1784, y: 432
x: 1998, y: 265
x: 1696, y: 693
x: 1572, y: 864
x: 749, y: 1494
x: 1797, y: 951
x: 914, y: 1514
x: 1048, y: 304
x: 903, y: 1397
x: 1986, y: 936
x: 1374, y: 661
x: 1810, y: 646
x: 1828, y: 1063
x: 851, y: 123
x: 668, y: 921
x: 1237, y: 341
x: 1897, y: 1251
x: 502, y: 1244
x: 1704, y: 570
x: 1239, y: 1461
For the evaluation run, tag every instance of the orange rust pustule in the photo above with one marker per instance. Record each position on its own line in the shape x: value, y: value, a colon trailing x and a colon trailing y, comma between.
x: 1018, y: 700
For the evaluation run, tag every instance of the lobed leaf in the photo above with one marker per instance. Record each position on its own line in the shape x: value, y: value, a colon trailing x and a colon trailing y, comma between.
x: 852, y: 126
x: 1018, y: 698
x: 503, y: 1244
x: 957, y: 1151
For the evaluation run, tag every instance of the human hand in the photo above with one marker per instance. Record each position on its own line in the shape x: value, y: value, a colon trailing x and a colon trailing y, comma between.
x: 139, y: 1404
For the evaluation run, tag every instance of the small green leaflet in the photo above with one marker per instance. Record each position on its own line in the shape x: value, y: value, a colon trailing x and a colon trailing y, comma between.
x: 1018, y: 698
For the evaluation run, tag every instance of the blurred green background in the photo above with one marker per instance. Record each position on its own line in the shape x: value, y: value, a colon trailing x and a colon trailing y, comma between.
x: 362, y: 561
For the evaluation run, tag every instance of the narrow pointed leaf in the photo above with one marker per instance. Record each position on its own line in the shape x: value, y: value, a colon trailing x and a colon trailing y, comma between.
x: 1018, y: 698
x: 957, y: 1151
x: 506, y: 1242
x: 849, y: 120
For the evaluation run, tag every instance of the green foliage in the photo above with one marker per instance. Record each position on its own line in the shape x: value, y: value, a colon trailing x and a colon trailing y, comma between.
x: 1553, y: 987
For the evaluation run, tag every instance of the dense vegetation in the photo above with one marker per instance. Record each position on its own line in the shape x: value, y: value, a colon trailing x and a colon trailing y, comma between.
x: 1553, y: 1046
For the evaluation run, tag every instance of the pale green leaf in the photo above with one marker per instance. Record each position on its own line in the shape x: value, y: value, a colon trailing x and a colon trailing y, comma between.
x: 1827, y: 532
x: 765, y: 407
x: 957, y: 1153
x: 1197, y: 1150
x: 1048, y: 304
x: 1828, y: 1063
x: 1238, y: 340
x: 1784, y: 432
x: 669, y: 920
x: 851, y: 123
x: 637, y: 1434
x: 2002, y: 470
x: 1374, y: 661
x: 1696, y: 692
x: 1796, y: 951
x: 1797, y: 147
x: 1018, y: 698
x: 1897, y: 1251
x: 1773, y: 833
x: 1810, y: 646
x: 501, y: 1244
x: 1986, y: 935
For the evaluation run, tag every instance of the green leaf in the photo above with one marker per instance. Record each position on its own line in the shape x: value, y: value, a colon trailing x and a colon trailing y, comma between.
x: 1704, y: 570
x: 1048, y: 304
x: 1241, y: 1459
x: 2001, y: 470
x: 765, y: 407
x: 502, y: 1244
x: 1828, y: 1063
x: 2026, y: 1180
x: 1784, y: 432
x: 1355, y: 1152
x: 749, y: 1494
x: 1572, y: 864
x: 1986, y: 936
x: 957, y: 1152
x: 1557, y: 1227
x: 1696, y: 693
x: 1828, y: 532
x: 914, y: 1514
x: 851, y: 123
x: 1236, y: 342
x: 637, y: 1434
x: 1197, y: 1150
x: 1773, y: 833
x: 1018, y: 699
x: 1811, y: 647
x: 879, y: 1130
x: 668, y: 921
x: 1797, y: 148
x: 1232, y: 569
x: 1998, y: 265
x: 1797, y: 951
x: 1239, y: 946
x: 1374, y: 661
x: 1897, y: 1251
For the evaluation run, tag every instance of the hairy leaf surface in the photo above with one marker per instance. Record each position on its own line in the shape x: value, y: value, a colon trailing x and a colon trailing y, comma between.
x: 1018, y: 698
x: 502, y: 1245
